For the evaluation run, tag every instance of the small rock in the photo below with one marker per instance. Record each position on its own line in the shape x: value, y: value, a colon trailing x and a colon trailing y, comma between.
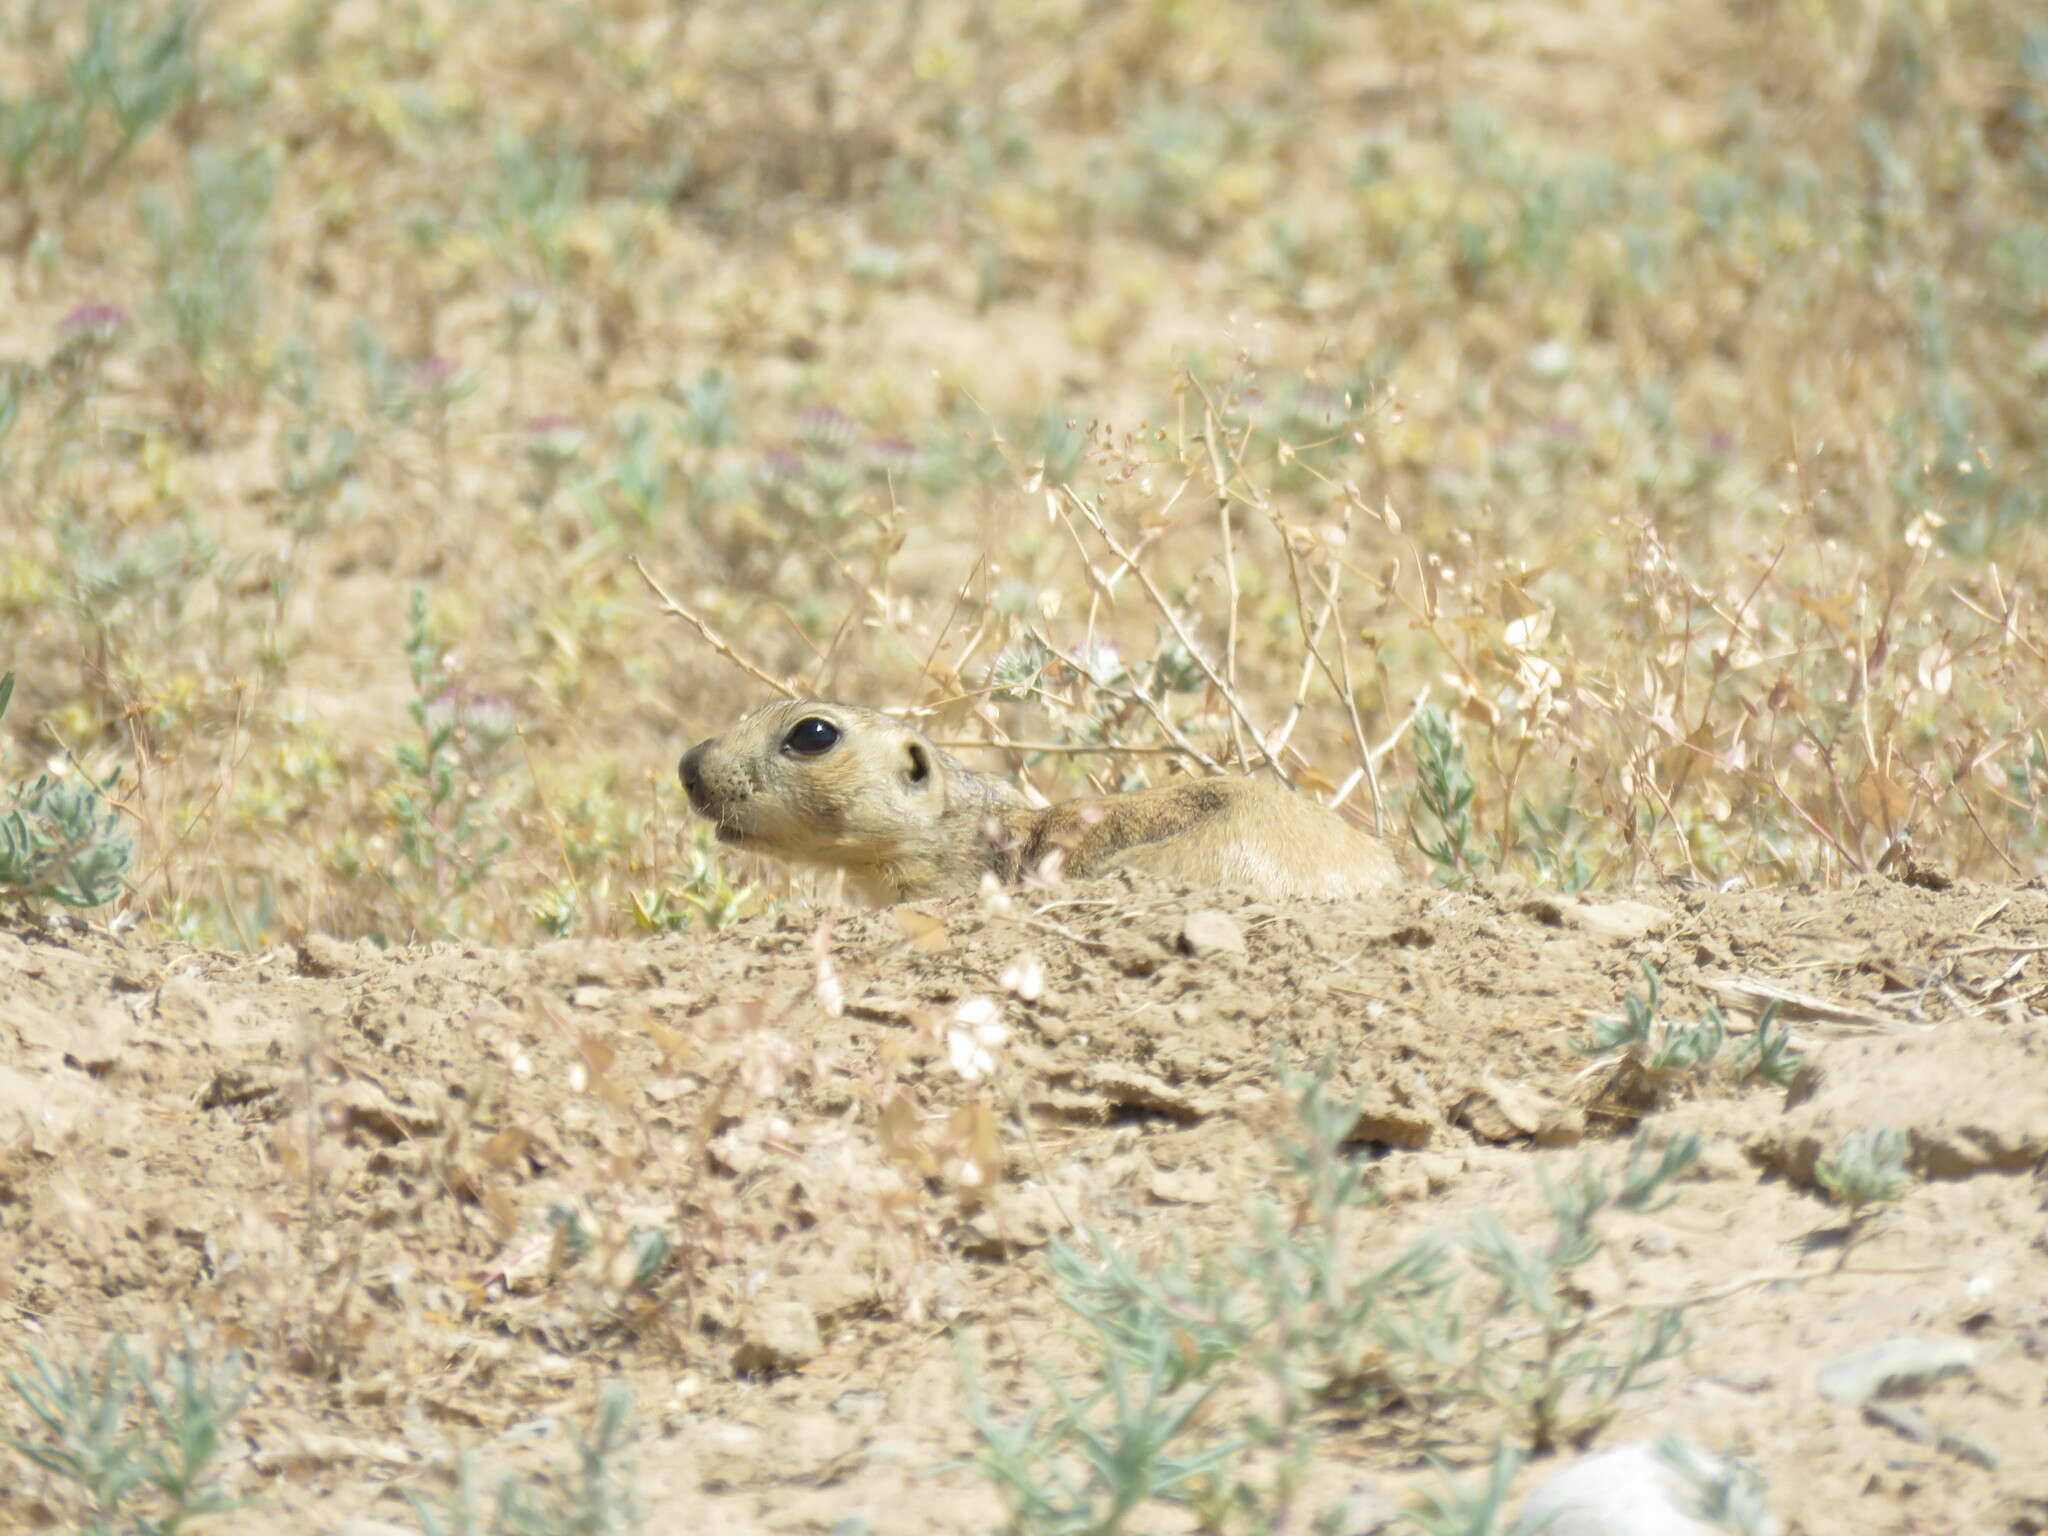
x: 1395, y: 1125
x: 1969, y: 1448
x: 1646, y: 1490
x: 729, y: 1435
x: 1905, y: 1419
x: 1209, y: 932
x: 1184, y: 1186
x: 1618, y: 922
x: 1498, y: 1111
x: 1901, y: 1418
x: 860, y: 1405
x: 1970, y: 1099
x: 1017, y: 1218
x: 1118, y: 1083
x: 320, y: 955
x: 1138, y: 957
x: 779, y: 1336
x: 1893, y: 1368
x: 185, y: 1002
x: 1362, y: 1512
x: 133, y: 973
x: 834, y: 1289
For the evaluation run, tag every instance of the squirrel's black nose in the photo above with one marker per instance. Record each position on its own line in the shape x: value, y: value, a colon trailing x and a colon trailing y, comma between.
x: 689, y: 772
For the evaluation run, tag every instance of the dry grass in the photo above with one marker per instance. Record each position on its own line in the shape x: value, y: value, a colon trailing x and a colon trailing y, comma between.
x: 1164, y: 379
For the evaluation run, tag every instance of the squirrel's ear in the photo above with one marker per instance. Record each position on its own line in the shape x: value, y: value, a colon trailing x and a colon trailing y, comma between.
x: 920, y: 764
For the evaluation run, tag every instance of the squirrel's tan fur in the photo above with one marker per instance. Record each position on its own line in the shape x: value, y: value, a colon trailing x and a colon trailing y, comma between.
x: 905, y: 820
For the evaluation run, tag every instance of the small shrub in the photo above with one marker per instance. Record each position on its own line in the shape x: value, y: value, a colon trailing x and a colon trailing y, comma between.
x: 130, y: 72
x: 1293, y: 1321
x: 1654, y: 1054
x: 1867, y: 1169
x: 59, y: 840
x: 442, y: 806
x: 698, y: 893
x: 209, y: 255
x: 1443, y: 783
x: 1566, y: 1382
x: 592, y: 1496
x: 1725, y: 1491
x: 130, y: 1440
x: 1456, y: 1509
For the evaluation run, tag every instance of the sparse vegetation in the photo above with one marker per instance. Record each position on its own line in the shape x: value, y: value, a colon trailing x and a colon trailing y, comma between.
x: 128, y: 1438
x: 1724, y: 1491
x: 593, y: 1495
x: 446, y: 803
x: 1650, y: 1055
x: 60, y: 841
x: 1459, y: 1508
x: 1866, y: 1170
x: 1205, y: 1381
x: 1444, y: 786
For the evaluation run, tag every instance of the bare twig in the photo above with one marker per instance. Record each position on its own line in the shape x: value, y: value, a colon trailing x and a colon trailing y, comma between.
x: 1144, y: 701
x: 711, y: 637
x: 1061, y: 748
x: 1230, y: 628
x: 1166, y: 610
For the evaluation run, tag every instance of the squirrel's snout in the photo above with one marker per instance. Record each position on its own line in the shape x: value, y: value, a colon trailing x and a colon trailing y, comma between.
x: 691, y: 771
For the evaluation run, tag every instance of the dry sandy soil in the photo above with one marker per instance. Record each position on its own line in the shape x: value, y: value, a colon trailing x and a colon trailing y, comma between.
x: 781, y: 1100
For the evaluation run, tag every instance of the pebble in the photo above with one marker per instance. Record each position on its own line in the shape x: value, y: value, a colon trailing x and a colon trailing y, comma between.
x: 1639, y: 1490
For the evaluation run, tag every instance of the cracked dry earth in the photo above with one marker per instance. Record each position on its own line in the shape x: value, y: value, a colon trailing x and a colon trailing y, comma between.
x: 440, y: 1197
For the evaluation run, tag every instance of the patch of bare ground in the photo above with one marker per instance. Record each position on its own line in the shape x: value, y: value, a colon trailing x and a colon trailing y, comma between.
x: 441, y: 1196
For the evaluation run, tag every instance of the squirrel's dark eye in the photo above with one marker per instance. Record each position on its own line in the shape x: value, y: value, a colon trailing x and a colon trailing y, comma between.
x: 808, y: 738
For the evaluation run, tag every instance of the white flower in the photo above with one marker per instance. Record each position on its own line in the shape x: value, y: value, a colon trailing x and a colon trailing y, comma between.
x: 973, y: 1037
x: 1025, y: 978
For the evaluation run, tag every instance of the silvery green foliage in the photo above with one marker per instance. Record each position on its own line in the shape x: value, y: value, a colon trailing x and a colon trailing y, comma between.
x: 592, y: 1495
x: 1868, y: 1167
x: 59, y: 839
x: 132, y: 1437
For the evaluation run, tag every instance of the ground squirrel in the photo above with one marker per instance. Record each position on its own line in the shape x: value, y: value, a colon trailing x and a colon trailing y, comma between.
x: 853, y: 789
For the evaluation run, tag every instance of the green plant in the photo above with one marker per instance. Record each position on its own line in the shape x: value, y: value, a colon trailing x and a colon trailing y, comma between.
x: 1444, y: 784
x: 1867, y: 1169
x: 318, y: 457
x: 131, y: 594
x: 60, y: 841
x: 389, y: 388
x: 443, y: 807
x: 1658, y: 1052
x: 1293, y: 1323
x: 131, y: 70
x: 592, y: 1496
x: 1725, y: 1491
x: 1550, y: 841
x: 1564, y: 1383
x: 700, y: 892
x: 138, y: 1466
x: 637, y: 479
x: 12, y: 381
x: 710, y: 414
x: 1083, y: 1465
x: 209, y: 253
x: 537, y: 190
x: 1455, y: 1509
x: 1285, y: 1308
